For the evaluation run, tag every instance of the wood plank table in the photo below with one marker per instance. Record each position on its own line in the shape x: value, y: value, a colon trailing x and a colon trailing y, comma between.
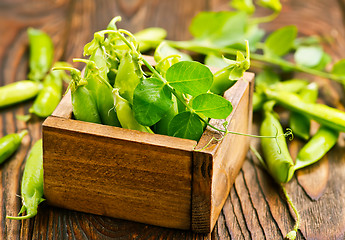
x: 255, y: 208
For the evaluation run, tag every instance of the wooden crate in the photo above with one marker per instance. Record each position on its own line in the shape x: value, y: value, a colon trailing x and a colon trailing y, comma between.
x: 143, y: 177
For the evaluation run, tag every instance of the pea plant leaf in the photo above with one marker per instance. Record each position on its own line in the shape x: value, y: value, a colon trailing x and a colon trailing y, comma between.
x: 309, y: 56
x: 219, y: 28
x: 339, y: 68
x: 190, y: 77
x: 211, y: 105
x: 151, y: 100
x: 186, y: 125
x: 281, y: 41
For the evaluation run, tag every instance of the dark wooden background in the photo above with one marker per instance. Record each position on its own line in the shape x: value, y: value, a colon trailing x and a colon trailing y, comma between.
x: 255, y: 208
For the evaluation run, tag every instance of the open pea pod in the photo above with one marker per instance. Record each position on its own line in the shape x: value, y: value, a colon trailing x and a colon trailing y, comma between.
x: 278, y: 161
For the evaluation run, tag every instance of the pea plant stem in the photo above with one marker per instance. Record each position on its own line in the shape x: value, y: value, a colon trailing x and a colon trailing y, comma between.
x: 204, y: 48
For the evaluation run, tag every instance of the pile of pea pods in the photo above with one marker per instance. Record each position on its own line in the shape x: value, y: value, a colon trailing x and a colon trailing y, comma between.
x: 46, y: 87
x: 299, y: 97
x: 115, y: 89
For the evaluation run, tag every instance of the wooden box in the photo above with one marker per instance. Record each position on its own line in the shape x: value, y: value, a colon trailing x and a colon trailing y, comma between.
x: 143, y: 177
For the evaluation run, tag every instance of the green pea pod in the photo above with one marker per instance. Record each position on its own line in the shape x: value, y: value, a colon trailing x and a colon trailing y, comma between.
x: 128, y: 77
x: 41, y: 54
x: 292, y: 85
x: 277, y: 157
x: 18, y: 92
x: 165, y: 50
x: 83, y: 104
x: 50, y: 95
x: 32, y: 183
x: 126, y: 114
x: 222, y: 81
x: 323, y: 114
x: 9, y: 144
x: 101, y: 91
x: 324, y: 139
x: 299, y: 123
x: 145, y: 37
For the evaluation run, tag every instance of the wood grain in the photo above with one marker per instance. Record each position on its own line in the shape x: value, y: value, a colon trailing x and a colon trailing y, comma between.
x: 255, y: 208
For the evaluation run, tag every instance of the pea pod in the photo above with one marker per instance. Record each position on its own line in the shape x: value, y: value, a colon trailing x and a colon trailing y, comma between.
x: 9, y: 144
x: 41, y: 54
x: 50, y: 95
x: 323, y: 114
x: 128, y: 77
x: 299, y: 123
x: 126, y: 114
x: 18, y: 92
x: 292, y: 85
x: 101, y: 92
x: 32, y: 183
x: 277, y: 157
x: 324, y: 139
x: 83, y: 104
x: 222, y: 81
x: 145, y: 37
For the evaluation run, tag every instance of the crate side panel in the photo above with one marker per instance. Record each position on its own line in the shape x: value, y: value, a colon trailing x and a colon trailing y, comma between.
x: 117, y: 178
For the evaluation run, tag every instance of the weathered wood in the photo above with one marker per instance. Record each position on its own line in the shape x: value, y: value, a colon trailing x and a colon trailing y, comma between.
x: 255, y: 208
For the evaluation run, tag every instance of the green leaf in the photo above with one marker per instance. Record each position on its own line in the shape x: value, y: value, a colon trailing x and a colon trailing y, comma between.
x: 211, y: 106
x: 281, y: 41
x: 219, y: 28
x: 188, y: 77
x: 339, y: 68
x: 151, y: 100
x: 243, y: 5
x: 309, y: 56
x: 186, y: 125
x: 274, y: 5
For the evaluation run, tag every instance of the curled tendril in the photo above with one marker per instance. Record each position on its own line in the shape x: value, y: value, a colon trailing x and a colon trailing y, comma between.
x: 289, y: 134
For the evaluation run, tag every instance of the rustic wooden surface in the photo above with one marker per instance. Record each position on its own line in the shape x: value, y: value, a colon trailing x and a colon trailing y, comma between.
x: 255, y: 208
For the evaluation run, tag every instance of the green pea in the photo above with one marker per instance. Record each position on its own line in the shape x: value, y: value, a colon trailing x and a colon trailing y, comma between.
x: 9, y: 144
x: 126, y: 114
x: 128, y: 77
x: 324, y: 139
x: 277, y: 157
x: 299, y: 123
x: 18, y: 92
x: 50, y: 95
x: 32, y: 183
x: 323, y: 114
x: 41, y: 54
